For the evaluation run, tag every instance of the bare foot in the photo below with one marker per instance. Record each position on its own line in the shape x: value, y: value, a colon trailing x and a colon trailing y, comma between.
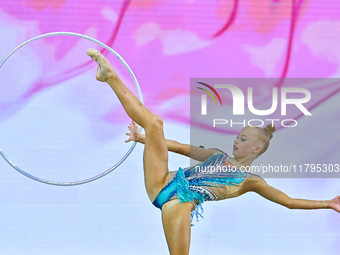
x: 105, y: 71
x: 335, y: 204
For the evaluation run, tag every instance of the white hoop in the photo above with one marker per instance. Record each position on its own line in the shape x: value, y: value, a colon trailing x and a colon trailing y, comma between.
x: 139, y: 94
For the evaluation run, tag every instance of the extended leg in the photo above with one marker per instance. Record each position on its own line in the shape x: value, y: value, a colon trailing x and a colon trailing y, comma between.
x: 133, y: 107
x: 177, y: 226
x: 155, y: 152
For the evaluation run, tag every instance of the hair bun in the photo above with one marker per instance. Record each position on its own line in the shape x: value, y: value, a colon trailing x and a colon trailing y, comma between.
x: 270, y: 129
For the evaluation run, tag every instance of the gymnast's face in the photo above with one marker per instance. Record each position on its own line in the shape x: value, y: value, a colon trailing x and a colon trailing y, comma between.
x: 246, y: 142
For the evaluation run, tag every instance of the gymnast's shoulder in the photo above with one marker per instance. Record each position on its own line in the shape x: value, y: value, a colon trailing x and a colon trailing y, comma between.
x: 201, y: 154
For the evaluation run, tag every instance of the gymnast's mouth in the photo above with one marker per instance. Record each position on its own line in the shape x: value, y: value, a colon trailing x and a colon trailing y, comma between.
x: 235, y: 148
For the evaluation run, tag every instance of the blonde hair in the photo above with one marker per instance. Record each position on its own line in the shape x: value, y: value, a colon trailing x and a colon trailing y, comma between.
x: 265, y: 135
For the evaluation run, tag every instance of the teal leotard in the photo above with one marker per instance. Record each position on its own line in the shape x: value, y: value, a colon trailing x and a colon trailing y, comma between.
x: 198, y: 183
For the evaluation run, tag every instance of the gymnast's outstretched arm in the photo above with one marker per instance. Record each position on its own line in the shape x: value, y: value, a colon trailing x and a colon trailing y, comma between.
x: 262, y: 188
x: 187, y: 150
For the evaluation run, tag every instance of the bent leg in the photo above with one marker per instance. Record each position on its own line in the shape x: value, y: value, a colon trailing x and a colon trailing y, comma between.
x: 176, y: 219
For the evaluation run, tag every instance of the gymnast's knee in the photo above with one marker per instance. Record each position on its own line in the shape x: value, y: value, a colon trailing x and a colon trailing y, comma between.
x: 155, y: 123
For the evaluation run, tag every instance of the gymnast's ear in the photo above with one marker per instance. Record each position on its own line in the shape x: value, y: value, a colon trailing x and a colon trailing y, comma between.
x: 257, y: 149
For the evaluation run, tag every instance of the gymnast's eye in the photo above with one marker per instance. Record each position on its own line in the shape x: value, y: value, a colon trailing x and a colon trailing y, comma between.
x: 243, y: 140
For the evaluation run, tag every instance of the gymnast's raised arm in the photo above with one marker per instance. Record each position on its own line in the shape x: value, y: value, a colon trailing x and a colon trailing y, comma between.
x: 191, y: 151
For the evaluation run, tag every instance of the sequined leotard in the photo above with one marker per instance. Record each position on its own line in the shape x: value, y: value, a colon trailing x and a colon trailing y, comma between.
x: 206, y: 181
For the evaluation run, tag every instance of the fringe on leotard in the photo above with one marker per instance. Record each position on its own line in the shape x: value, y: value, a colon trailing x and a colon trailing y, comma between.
x: 184, y: 194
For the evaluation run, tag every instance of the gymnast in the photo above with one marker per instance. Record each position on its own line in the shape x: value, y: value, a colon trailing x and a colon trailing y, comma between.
x: 179, y: 194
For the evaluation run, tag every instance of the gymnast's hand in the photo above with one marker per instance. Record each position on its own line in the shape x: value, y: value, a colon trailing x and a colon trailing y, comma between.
x: 105, y: 71
x: 134, y: 134
x: 335, y: 204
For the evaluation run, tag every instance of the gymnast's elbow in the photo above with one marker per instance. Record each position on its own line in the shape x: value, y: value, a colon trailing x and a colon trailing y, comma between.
x: 184, y: 149
x: 289, y: 203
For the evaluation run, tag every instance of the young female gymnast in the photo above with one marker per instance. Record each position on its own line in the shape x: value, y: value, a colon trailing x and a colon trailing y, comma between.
x: 178, y: 193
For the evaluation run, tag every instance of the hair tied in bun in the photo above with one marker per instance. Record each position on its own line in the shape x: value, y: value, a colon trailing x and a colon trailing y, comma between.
x: 270, y: 129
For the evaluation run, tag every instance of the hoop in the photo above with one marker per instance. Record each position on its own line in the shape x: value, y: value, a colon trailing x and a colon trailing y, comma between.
x: 139, y: 94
